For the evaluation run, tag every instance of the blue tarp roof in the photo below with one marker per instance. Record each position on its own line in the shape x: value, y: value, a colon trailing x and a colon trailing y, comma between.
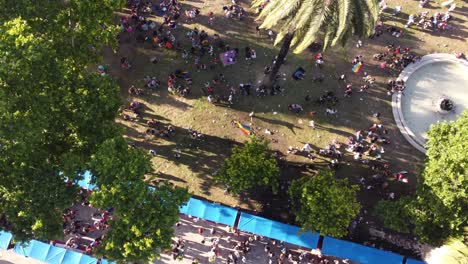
x: 85, y: 259
x: 51, y: 254
x: 358, y: 253
x: 210, y: 211
x: 276, y: 230
x: 413, y: 261
x: 85, y: 183
x: 5, y: 238
x: 72, y: 257
x: 33, y: 249
x: 55, y: 255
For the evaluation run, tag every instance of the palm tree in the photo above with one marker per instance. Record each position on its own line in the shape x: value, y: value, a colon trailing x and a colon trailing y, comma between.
x: 300, y: 22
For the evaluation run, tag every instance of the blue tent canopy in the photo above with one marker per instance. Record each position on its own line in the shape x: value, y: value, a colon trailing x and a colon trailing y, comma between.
x: 72, y: 257
x: 34, y: 249
x: 105, y: 261
x: 85, y: 259
x: 276, y: 230
x: 51, y: 254
x: 413, y: 261
x: 210, y: 211
x: 358, y: 253
x: 85, y: 183
x: 5, y: 238
x: 55, y: 255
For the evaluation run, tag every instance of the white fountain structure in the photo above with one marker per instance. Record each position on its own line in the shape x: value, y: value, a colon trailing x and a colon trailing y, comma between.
x: 436, y: 91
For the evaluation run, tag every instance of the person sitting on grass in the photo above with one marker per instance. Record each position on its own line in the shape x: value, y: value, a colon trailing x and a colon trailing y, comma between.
x: 295, y: 108
x: 299, y: 74
x: 124, y: 63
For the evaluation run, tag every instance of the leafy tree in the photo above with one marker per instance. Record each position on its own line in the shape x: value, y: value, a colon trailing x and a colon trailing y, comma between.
x: 249, y: 166
x: 439, y: 208
x: 56, y: 119
x: 300, y: 22
x: 442, y: 196
x: 395, y: 215
x: 52, y: 117
x: 144, y: 217
x: 323, y: 203
x: 77, y: 30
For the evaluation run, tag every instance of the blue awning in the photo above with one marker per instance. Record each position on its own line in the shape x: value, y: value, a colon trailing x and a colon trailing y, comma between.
x: 33, y: 249
x: 5, y: 238
x: 72, y: 257
x: 413, y: 261
x: 358, y: 253
x: 55, y: 255
x: 52, y: 254
x: 85, y: 259
x: 105, y: 261
x: 276, y: 230
x: 210, y: 211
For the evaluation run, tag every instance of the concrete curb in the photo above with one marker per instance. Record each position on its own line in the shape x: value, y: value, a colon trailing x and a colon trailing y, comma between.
x: 415, y: 141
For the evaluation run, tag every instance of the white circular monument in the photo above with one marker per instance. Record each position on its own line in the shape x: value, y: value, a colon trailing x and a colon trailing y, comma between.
x: 436, y: 91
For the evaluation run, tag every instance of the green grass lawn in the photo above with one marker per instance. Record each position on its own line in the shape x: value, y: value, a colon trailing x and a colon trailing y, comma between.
x: 201, y: 158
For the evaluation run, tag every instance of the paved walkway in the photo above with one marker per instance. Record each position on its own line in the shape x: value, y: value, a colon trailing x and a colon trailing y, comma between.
x: 198, y: 246
x: 9, y: 257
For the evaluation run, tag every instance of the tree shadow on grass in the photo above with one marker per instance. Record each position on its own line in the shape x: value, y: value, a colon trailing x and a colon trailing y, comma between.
x: 211, y: 164
x: 164, y: 176
x: 203, y: 155
x: 290, y: 126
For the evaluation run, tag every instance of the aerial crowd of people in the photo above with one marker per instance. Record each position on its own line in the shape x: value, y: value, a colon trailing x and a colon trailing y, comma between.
x: 210, y: 52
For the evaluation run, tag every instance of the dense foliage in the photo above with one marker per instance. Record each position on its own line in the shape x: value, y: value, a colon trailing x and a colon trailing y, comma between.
x: 77, y: 30
x: 144, y: 217
x: 249, y: 166
x: 439, y: 208
x: 395, y: 214
x: 52, y: 117
x: 57, y: 120
x: 324, y: 204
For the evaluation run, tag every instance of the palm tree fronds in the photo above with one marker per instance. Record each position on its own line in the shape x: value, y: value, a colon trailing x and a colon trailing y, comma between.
x: 345, y: 13
x: 337, y: 19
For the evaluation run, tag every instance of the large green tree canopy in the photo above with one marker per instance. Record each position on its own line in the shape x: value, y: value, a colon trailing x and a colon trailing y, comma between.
x: 250, y: 165
x: 52, y: 116
x: 144, y: 217
x: 439, y: 208
x: 57, y: 119
x: 323, y: 203
x: 441, y: 205
x: 76, y: 29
